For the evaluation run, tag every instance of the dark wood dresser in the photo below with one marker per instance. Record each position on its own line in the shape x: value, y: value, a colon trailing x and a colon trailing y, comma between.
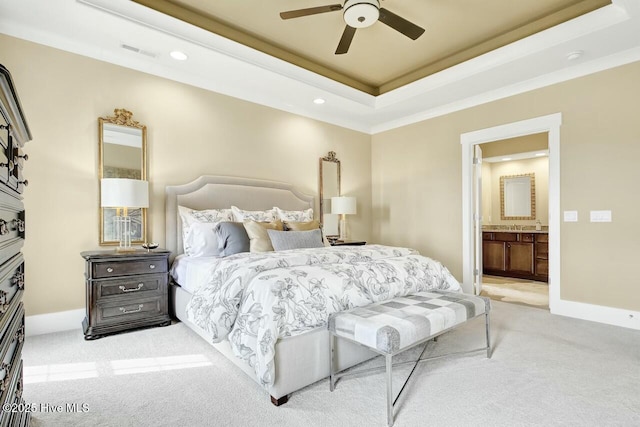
x: 125, y: 291
x: 14, y: 133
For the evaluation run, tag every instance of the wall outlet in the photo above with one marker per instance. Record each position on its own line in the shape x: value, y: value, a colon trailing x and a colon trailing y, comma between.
x: 600, y: 216
x: 570, y: 216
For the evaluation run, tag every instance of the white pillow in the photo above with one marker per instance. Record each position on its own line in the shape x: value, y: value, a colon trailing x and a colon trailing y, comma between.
x: 294, y: 216
x: 190, y: 217
x: 258, y: 216
x: 202, y: 240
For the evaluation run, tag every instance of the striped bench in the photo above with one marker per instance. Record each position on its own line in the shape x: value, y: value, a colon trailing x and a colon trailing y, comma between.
x: 391, y: 327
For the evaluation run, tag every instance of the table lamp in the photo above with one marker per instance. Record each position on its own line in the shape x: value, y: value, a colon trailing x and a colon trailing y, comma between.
x: 343, y: 206
x: 122, y: 194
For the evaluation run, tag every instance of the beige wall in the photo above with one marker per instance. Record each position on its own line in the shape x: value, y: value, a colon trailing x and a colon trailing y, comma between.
x: 191, y: 132
x: 417, y: 181
x: 491, y: 174
x: 407, y: 181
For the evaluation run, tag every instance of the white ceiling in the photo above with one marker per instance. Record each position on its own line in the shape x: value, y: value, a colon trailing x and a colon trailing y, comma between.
x: 609, y: 37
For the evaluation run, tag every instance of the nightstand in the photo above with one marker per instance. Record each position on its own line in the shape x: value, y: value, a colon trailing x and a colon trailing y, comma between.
x: 348, y: 243
x: 125, y: 291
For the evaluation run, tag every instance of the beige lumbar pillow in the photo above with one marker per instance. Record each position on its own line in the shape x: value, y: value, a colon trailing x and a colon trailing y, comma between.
x: 302, y: 226
x: 259, y: 240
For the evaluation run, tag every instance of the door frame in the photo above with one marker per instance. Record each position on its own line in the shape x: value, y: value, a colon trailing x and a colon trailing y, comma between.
x: 550, y: 124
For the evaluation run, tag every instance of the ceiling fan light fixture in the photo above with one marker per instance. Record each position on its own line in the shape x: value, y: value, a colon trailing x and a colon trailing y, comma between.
x: 361, y: 13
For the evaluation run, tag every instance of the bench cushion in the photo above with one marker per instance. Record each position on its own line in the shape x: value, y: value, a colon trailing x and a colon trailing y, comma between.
x: 394, y: 325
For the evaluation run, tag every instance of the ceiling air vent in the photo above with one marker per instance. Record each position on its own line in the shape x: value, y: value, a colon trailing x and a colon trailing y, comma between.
x: 137, y: 50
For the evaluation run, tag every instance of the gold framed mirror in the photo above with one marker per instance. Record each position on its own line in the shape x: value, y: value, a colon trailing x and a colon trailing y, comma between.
x: 329, y: 187
x: 518, y: 197
x: 122, y: 154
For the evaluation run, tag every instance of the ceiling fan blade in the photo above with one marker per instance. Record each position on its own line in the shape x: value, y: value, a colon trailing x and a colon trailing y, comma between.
x: 345, y: 40
x: 310, y: 11
x: 407, y: 28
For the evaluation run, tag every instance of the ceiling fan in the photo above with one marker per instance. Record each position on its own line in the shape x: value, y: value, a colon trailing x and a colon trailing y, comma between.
x: 359, y: 14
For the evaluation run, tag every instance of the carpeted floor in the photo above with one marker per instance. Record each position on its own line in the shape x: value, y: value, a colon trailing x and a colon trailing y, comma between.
x: 546, y: 370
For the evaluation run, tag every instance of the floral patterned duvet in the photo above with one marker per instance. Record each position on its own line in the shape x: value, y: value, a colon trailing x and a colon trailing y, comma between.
x: 252, y: 299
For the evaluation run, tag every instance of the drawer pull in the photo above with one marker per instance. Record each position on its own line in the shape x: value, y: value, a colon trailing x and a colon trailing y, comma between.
x: 109, y: 270
x: 152, y: 266
x: 3, y: 227
x: 17, y: 153
x: 4, y: 305
x: 18, y: 280
x: 5, y: 382
x: 20, y: 334
x: 9, y: 165
x: 18, y: 224
x: 125, y: 289
x: 25, y: 182
x: 125, y: 311
x: 19, y: 387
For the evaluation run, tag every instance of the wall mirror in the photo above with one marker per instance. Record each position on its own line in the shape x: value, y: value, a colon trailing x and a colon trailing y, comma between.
x: 122, y: 154
x: 329, y: 187
x: 518, y: 197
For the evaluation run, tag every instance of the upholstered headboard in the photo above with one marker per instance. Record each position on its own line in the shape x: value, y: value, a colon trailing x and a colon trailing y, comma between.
x: 218, y: 192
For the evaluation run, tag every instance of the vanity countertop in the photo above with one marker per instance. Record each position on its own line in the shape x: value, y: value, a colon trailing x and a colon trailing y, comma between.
x: 505, y: 229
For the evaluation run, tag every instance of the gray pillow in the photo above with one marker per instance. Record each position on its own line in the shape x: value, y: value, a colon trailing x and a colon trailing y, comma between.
x: 285, y: 240
x: 232, y: 238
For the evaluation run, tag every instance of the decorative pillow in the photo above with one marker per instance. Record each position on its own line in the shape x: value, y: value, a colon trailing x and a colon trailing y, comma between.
x: 232, y: 238
x: 285, y: 240
x: 302, y: 226
x: 260, y: 216
x: 259, y: 240
x: 201, y: 240
x: 192, y: 216
x: 298, y: 216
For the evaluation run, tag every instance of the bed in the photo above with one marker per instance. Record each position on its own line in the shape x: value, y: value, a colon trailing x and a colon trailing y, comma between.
x: 293, y: 360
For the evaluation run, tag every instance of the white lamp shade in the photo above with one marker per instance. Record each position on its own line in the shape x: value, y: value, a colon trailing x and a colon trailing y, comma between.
x: 343, y: 205
x: 124, y: 193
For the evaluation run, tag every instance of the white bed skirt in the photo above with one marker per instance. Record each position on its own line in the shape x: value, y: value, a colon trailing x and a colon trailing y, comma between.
x: 300, y: 360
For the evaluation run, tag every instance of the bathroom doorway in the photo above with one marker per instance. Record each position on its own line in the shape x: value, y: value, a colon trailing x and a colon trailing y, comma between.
x: 515, y: 220
x: 472, y: 243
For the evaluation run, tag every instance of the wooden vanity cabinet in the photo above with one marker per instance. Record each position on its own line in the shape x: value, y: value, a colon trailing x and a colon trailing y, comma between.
x: 515, y: 254
x: 542, y: 257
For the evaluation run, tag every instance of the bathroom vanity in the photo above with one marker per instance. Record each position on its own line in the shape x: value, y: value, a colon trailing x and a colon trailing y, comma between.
x: 521, y: 254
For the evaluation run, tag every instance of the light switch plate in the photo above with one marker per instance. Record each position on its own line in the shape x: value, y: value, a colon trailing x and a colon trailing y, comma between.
x: 600, y: 216
x: 570, y: 216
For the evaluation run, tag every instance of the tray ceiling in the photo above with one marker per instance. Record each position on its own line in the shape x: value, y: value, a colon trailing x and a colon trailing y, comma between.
x: 380, y: 59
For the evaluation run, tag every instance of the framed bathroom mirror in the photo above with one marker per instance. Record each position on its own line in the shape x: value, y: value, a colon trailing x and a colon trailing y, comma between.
x: 122, y: 154
x: 518, y: 197
x: 329, y: 187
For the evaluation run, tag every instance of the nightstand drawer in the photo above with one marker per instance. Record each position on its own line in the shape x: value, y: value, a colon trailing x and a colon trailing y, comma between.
x: 131, y: 309
x: 149, y: 285
x: 125, y: 268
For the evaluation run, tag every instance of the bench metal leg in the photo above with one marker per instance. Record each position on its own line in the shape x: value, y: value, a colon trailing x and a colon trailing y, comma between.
x: 487, y: 321
x: 389, y: 390
x: 332, y: 384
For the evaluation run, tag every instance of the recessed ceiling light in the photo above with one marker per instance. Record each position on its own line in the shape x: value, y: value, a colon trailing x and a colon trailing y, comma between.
x: 318, y: 101
x: 506, y: 159
x: 572, y: 56
x: 540, y: 154
x: 179, y: 56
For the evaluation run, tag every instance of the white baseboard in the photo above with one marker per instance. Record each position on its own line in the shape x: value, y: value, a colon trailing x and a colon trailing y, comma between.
x: 54, y: 322
x: 72, y: 319
x: 598, y: 313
